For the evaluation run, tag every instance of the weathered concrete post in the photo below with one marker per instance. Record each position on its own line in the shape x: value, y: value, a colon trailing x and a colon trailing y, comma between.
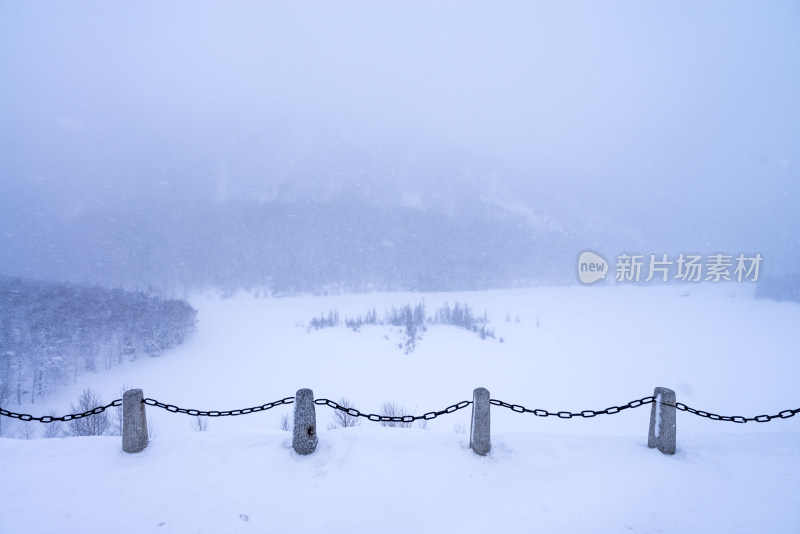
x: 479, y: 434
x: 305, y: 422
x: 662, y: 421
x: 134, y: 421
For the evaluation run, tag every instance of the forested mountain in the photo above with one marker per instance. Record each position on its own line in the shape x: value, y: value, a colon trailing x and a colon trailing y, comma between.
x: 283, y: 208
x: 52, y: 332
x: 272, y: 146
x: 289, y: 246
x: 286, y: 209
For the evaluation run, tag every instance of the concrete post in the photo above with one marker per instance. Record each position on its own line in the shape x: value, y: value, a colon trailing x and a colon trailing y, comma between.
x: 134, y: 421
x: 479, y: 433
x: 662, y: 421
x: 305, y: 422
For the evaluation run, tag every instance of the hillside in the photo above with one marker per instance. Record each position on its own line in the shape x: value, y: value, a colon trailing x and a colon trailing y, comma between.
x: 394, y: 480
x: 564, y: 349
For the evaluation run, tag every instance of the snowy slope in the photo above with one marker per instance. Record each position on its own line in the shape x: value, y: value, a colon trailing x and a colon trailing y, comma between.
x: 396, y: 480
x: 572, y: 349
x: 565, y: 349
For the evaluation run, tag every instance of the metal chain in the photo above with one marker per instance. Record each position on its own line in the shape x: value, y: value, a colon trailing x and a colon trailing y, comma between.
x: 216, y: 413
x: 63, y: 418
x: 785, y: 414
x: 569, y: 415
x: 396, y: 418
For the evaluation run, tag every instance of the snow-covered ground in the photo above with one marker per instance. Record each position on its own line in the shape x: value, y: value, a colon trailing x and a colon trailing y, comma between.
x: 395, y: 480
x: 564, y: 349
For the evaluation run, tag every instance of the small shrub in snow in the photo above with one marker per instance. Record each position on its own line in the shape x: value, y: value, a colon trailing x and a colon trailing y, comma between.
x: 54, y: 429
x: 285, y: 424
x: 200, y: 423
x: 26, y: 430
x: 392, y: 409
x: 343, y: 419
x: 412, y: 322
x: 322, y: 321
x: 92, y: 425
x: 152, y: 429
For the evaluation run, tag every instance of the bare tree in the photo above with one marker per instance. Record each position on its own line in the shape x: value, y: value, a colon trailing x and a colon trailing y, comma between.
x: 392, y: 409
x: 54, y: 429
x: 200, y: 423
x: 285, y: 423
x: 116, y: 415
x: 26, y: 430
x: 152, y: 429
x: 344, y: 419
x: 91, y: 425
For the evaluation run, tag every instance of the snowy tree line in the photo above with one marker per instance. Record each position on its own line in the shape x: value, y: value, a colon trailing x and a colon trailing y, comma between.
x: 51, y: 332
x: 786, y: 287
x: 347, y: 245
x: 463, y: 317
x: 414, y: 321
x: 106, y: 423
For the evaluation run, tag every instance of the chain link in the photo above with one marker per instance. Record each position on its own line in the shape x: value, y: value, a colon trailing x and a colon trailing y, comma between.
x: 586, y: 414
x: 392, y: 418
x: 217, y: 413
x: 785, y: 414
x: 63, y: 418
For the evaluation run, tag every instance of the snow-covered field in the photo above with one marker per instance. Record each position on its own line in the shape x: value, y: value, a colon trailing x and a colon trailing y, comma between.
x: 564, y: 349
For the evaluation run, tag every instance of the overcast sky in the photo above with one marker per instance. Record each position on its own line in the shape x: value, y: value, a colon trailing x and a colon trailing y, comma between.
x: 676, y: 117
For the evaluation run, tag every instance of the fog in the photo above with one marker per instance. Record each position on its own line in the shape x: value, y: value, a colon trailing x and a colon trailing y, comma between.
x: 135, y: 137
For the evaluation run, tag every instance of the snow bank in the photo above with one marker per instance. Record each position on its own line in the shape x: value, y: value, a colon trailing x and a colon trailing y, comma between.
x: 371, y: 479
x: 565, y: 349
